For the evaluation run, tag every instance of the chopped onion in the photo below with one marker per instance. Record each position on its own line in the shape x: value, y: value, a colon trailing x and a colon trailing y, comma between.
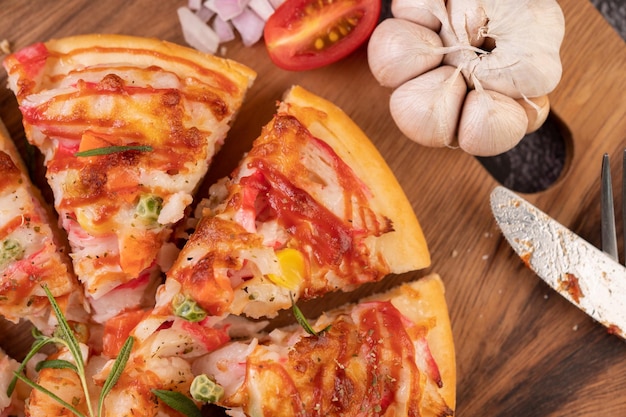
x: 262, y: 8
x: 227, y: 9
x: 223, y: 29
x: 276, y: 3
x: 196, y: 32
x: 206, y: 24
x: 194, y: 4
x: 205, y: 14
x: 250, y: 27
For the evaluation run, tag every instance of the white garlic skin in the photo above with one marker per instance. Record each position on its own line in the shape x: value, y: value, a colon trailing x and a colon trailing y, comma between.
x: 491, y: 123
x: 527, y: 34
x: 427, y: 108
x: 537, y: 110
x: 399, y: 50
x: 412, y: 11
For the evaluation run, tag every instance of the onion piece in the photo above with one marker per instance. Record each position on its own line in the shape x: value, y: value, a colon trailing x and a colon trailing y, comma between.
x: 196, y: 32
x: 227, y: 9
x: 205, y: 14
x: 263, y: 8
x: 250, y: 27
x: 223, y: 29
x: 194, y: 4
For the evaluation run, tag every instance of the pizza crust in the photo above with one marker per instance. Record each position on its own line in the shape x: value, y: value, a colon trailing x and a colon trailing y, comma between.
x: 242, y: 75
x: 405, y: 248
x: 423, y: 300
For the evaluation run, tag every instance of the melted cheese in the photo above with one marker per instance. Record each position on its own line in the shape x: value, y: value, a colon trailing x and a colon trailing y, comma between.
x: 91, y: 92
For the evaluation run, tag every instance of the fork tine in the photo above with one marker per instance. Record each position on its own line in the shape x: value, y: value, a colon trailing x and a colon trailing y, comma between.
x: 609, y: 237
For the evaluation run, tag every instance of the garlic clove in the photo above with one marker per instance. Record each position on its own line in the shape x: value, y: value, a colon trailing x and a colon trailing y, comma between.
x: 491, y: 123
x: 537, y: 110
x: 415, y: 12
x: 399, y: 50
x: 426, y: 109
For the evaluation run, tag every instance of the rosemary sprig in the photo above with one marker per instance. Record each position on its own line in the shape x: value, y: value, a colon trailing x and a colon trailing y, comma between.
x: 64, y: 336
x: 116, y: 371
x: 178, y: 402
x: 303, y: 321
x: 113, y: 149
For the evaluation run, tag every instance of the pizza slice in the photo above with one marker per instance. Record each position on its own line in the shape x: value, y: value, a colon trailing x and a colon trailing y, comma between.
x: 388, y: 355
x: 312, y: 208
x: 128, y: 127
x: 32, y: 252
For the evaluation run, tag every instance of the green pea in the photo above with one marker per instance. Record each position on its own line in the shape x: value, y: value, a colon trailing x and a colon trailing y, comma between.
x: 188, y: 309
x: 149, y: 208
x: 206, y: 390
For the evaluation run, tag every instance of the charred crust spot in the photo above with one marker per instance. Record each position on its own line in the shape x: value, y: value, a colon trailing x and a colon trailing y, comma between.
x: 111, y: 82
x: 192, y: 138
x: 92, y: 181
x: 170, y: 98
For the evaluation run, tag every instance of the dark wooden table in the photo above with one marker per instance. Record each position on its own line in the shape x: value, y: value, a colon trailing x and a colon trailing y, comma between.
x: 521, y: 349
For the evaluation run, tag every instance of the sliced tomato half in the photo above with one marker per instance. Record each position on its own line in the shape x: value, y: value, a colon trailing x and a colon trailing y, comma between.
x: 308, y: 34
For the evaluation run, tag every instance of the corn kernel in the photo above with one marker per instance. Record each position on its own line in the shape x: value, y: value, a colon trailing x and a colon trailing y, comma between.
x: 293, y: 268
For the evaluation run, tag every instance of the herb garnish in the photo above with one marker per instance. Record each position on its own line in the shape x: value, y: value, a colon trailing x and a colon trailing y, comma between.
x: 64, y: 336
x: 303, y: 321
x: 113, y: 149
x: 178, y: 402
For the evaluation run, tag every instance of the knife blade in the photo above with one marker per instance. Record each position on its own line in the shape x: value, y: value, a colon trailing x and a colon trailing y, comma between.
x: 584, y: 275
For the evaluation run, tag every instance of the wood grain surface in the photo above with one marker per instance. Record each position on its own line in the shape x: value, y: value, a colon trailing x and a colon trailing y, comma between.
x: 522, y: 350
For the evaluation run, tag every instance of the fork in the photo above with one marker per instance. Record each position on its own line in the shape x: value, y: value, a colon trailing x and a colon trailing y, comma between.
x: 609, y: 235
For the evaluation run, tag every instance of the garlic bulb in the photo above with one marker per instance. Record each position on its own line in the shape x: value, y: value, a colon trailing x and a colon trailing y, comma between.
x: 506, y: 50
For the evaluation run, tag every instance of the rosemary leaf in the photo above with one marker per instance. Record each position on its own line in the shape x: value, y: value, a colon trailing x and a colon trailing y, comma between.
x: 301, y: 319
x: 37, y: 345
x: 56, y: 364
x: 49, y: 393
x: 67, y: 335
x: 113, y: 149
x: 66, y: 331
x: 116, y: 371
x: 178, y: 402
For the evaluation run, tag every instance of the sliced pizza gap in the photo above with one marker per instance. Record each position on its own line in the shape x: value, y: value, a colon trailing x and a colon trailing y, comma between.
x: 390, y: 354
x: 128, y: 127
x: 312, y: 208
x: 32, y: 250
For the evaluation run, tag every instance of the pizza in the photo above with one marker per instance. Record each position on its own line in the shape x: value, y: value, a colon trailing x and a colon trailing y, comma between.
x: 128, y: 127
x: 312, y: 208
x: 32, y: 250
x: 391, y: 354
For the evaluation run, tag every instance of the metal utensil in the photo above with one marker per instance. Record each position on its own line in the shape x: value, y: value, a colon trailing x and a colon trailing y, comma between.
x: 586, y: 276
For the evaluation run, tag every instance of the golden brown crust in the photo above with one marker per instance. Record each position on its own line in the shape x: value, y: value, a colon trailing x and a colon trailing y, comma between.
x: 240, y: 73
x: 423, y: 300
x: 405, y: 248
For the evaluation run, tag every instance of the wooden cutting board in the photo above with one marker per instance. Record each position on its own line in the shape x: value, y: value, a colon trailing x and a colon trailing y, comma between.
x: 522, y: 350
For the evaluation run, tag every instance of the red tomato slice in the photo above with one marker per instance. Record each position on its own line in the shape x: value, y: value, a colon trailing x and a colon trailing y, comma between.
x: 308, y: 34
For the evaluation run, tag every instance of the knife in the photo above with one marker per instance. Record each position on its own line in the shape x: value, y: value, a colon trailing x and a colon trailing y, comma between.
x: 586, y: 276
